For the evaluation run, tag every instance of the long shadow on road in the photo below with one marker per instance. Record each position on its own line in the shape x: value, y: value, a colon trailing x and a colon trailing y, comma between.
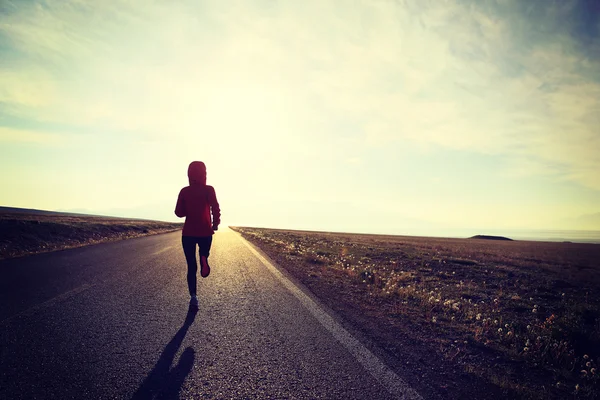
x: 164, y: 382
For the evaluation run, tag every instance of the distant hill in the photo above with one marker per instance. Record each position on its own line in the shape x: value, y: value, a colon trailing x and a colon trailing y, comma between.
x: 487, y: 237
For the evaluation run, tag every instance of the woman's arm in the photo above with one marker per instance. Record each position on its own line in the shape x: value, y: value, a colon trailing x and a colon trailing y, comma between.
x: 215, y: 209
x: 180, y: 207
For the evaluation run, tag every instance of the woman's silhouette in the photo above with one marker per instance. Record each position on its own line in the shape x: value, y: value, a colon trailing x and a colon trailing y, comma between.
x: 196, y: 203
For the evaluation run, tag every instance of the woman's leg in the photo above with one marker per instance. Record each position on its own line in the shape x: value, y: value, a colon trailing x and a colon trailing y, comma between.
x: 204, y: 244
x: 189, y: 249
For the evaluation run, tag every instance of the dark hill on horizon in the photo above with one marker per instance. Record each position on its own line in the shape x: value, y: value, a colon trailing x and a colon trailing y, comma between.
x: 488, y: 237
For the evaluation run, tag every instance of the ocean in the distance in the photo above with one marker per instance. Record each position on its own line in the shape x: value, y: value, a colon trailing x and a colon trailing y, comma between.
x: 554, y: 235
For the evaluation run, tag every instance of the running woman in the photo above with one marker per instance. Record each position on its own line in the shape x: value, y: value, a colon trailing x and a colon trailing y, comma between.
x: 196, y: 203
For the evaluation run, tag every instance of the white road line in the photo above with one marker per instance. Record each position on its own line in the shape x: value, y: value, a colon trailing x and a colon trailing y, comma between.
x: 162, y: 250
x: 48, y: 303
x: 388, y: 379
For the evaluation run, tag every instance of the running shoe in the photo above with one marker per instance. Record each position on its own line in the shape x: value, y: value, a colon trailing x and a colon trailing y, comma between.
x: 204, y: 268
x: 194, y: 302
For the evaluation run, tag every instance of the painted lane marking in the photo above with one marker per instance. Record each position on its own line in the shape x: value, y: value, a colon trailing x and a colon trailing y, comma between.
x: 385, y: 376
x: 162, y: 250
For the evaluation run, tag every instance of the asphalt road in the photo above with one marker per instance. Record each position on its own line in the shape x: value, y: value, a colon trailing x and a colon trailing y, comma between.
x: 111, y: 321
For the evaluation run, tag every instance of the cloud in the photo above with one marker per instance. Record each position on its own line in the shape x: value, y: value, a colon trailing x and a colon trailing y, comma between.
x: 459, y: 76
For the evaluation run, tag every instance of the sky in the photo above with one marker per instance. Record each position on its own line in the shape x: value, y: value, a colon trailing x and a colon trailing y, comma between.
x: 360, y: 116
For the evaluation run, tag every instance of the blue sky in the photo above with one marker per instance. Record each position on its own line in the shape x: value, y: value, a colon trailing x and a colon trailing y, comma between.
x: 368, y: 116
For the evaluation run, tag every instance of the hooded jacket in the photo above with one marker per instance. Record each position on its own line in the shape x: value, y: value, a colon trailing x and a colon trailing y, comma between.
x: 196, y: 202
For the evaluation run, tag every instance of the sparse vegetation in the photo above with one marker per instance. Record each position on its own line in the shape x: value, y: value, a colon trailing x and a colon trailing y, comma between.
x: 521, y: 316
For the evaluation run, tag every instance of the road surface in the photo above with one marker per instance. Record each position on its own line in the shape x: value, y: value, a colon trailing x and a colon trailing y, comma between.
x: 111, y: 321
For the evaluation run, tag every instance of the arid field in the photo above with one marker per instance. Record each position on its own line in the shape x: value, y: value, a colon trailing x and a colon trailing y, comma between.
x: 478, y: 318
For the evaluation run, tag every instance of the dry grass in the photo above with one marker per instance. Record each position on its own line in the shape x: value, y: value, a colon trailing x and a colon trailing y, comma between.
x: 522, y: 316
x: 30, y: 233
